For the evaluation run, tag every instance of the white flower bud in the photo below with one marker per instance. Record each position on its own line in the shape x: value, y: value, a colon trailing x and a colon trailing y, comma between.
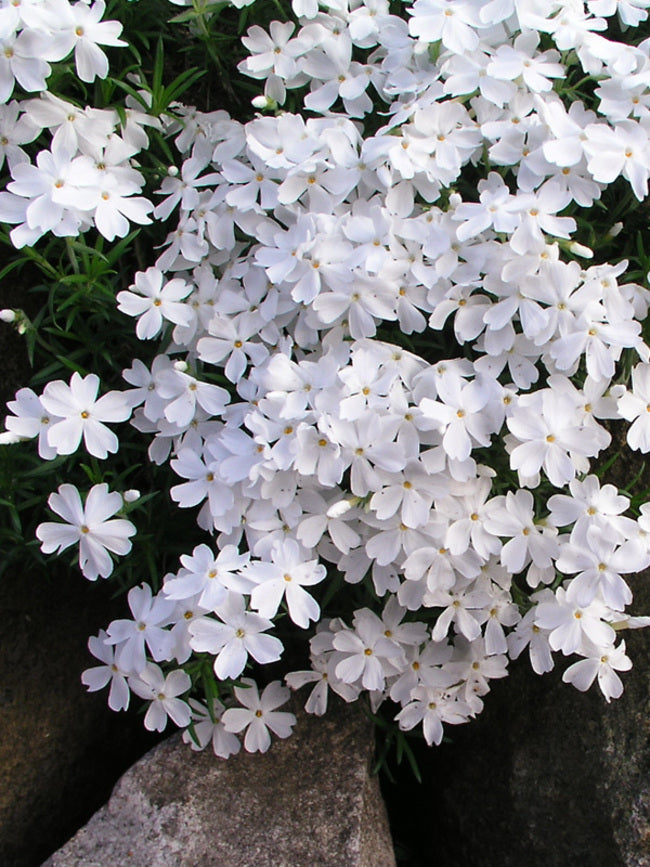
x: 131, y: 495
x: 8, y: 315
x: 337, y: 510
x: 264, y: 103
x: 181, y: 366
x: 630, y: 622
x: 172, y: 171
x: 580, y: 250
x: 616, y: 229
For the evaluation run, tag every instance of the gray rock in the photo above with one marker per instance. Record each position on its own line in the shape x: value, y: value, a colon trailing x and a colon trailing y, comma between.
x: 309, y: 802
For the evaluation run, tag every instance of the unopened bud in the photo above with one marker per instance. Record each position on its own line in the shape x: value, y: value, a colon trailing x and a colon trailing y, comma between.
x: 181, y: 366
x: 616, y: 229
x: 639, y: 622
x: 8, y: 315
x: 341, y: 507
x: 172, y: 171
x: 131, y: 495
x: 264, y: 103
x: 580, y: 250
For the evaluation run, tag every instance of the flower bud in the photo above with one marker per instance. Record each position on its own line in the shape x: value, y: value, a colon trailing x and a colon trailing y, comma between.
x: 264, y: 103
x: 340, y: 508
x: 131, y: 495
x: 580, y: 250
x: 8, y: 315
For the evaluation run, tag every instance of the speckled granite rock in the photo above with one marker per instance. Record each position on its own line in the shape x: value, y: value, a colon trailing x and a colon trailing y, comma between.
x: 309, y: 802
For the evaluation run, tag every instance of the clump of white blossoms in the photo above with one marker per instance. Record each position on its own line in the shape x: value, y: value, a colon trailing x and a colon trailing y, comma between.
x: 308, y: 253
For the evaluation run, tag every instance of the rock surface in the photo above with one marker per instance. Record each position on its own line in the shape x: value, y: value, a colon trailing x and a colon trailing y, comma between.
x: 309, y: 802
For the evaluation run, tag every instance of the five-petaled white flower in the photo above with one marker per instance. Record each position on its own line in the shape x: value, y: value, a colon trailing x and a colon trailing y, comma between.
x: 89, y: 525
x: 259, y: 714
x: 163, y: 693
x: 82, y: 415
x: 152, y: 302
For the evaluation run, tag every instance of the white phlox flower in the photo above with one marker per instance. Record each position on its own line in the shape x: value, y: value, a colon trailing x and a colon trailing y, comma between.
x: 31, y: 419
x: 432, y: 706
x: 152, y: 302
x: 90, y: 524
x: 324, y: 678
x: 622, y: 150
x: 74, y: 129
x: 21, y: 62
x: 184, y: 394
x: 364, y: 651
x: 99, y: 676
x: 568, y: 623
x: 528, y: 634
x: 151, y: 614
x: 163, y: 692
x: 37, y: 198
x: 459, y: 416
x: 592, y: 505
x: 599, y: 563
x: 601, y: 663
x: 513, y: 516
x: 285, y: 577
x: 549, y: 435
x: 79, y: 28
x: 520, y: 61
x: 81, y: 414
x: 231, y: 639
x: 259, y: 714
x: 16, y: 129
x: 209, y: 576
x: 454, y: 24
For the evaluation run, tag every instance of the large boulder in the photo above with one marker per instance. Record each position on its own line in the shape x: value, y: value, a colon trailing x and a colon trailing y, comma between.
x: 309, y: 802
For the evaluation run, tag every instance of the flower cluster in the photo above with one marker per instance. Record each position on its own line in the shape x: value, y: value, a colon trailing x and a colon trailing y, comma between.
x: 87, y: 178
x: 33, y: 35
x: 417, y: 375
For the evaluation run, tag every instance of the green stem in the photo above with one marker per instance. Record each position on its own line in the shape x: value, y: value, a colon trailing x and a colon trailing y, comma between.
x: 72, y: 256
